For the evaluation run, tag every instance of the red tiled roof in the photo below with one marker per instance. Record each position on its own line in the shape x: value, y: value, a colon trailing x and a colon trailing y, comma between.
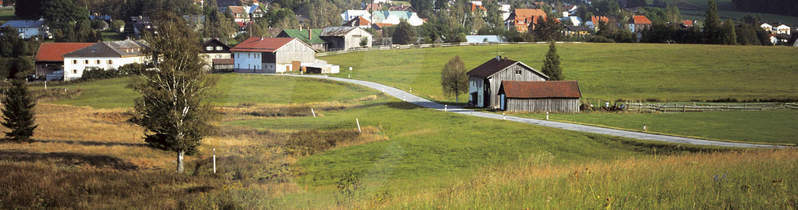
x: 259, y: 44
x: 688, y: 23
x: 529, y: 13
x: 474, y: 7
x: 55, y: 51
x: 596, y: 19
x: 641, y: 20
x: 541, y: 89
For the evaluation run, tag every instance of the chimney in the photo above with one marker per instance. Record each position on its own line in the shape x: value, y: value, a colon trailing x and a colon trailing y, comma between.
x: 498, y: 57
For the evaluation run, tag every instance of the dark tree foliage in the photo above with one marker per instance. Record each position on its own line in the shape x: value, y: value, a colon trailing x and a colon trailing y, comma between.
x: 729, y: 33
x: 783, y: 7
x: 713, y: 31
x: 404, y: 34
x: 174, y: 107
x: 423, y: 7
x: 18, y: 112
x: 551, y: 64
x: 454, y: 79
x: 28, y: 9
x: 547, y: 29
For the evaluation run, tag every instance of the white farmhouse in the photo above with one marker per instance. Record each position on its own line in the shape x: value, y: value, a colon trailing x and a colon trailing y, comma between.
x: 766, y: 27
x: 348, y: 15
x: 271, y: 55
x: 394, y: 17
x: 102, y: 55
x: 26, y: 28
x: 783, y: 29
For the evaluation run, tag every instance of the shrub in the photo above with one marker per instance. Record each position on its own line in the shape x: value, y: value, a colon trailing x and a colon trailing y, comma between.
x: 129, y: 69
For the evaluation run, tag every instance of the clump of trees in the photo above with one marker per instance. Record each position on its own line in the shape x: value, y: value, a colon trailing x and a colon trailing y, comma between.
x: 454, y: 79
x: 174, y: 107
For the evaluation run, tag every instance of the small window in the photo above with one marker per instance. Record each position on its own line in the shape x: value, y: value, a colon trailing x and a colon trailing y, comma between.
x: 74, y: 61
x: 86, y: 62
x: 110, y: 62
x: 517, y: 71
x: 218, y: 48
x: 98, y: 61
x: 75, y: 71
x: 208, y: 48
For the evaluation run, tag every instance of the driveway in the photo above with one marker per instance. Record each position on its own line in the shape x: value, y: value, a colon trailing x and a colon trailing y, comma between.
x: 410, y: 98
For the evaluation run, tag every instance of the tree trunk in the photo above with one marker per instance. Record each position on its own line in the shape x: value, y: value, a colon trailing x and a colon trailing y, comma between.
x: 180, y: 161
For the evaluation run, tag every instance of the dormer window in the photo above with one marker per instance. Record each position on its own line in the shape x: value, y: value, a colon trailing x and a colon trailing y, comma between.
x: 208, y: 48
x: 218, y: 48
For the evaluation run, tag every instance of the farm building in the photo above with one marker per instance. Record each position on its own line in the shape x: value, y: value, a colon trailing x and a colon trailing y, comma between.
x: 277, y: 55
x: 309, y: 36
x: 485, y: 80
x: 539, y: 96
x: 28, y: 28
x: 50, y: 56
x: 345, y: 38
x: 103, y: 55
x: 214, y: 51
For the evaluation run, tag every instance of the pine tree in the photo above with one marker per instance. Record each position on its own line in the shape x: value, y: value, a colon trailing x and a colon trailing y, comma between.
x: 712, y: 31
x: 18, y: 112
x: 731, y: 37
x: 551, y: 64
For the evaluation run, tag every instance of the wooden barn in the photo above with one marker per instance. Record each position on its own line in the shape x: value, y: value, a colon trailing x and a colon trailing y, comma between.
x: 540, y: 96
x: 485, y: 80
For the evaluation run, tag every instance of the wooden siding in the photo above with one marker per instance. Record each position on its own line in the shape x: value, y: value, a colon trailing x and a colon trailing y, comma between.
x: 509, y: 74
x: 295, y: 50
x: 553, y: 105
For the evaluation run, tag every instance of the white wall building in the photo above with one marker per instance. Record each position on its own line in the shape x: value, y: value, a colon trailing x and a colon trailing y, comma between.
x: 766, y: 27
x: 271, y: 55
x: 348, y: 15
x: 783, y: 29
x: 102, y: 55
x: 26, y: 28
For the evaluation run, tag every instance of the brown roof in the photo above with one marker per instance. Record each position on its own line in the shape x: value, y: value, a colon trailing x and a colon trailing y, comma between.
x: 54, y: 52
x: 259, y: 44
x: 495, y: 65
x: 541, y: 89
x: 641, y: 20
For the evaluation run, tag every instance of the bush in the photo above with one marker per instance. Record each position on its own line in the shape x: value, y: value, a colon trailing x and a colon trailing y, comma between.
x: 600, y: 39
x: 129, y: 69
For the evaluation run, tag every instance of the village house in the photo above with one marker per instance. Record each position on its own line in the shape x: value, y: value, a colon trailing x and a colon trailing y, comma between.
x: 687, y: 23
x: 540, y: 96
x: 485, y: 80
x: 639, y: 23
x: 483, y: 39
x: 50, y: 56
x: 359, y: 22
x: 766, y: 27
x: 28, y: 28
x: 345, y: 38
x: 309, y: 36
x: 239, y: 13
x: 394, y: 17
x: 103, y: 55
x: 522, y: 18
x: 594, y: 22
x: 350, y: 15
x: 783, y: 29
x: 216, y: 55
x: 271, y: 55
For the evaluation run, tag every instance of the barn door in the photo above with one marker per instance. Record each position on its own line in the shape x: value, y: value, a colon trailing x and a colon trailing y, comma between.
x: 503, y: 102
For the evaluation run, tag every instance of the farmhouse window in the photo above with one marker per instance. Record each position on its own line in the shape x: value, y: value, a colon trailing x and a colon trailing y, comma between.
x: 218, y: 48
x: 208, y: 48
x: 518, y: 72
x: 98, y: 61
x: 86, y: 62
x: 110, y: 62
x: 74, y: 61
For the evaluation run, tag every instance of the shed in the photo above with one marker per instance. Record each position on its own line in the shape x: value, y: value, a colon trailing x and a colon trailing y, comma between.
x: 345, y: 38
x: 540, y: 96
x: 485, y: 80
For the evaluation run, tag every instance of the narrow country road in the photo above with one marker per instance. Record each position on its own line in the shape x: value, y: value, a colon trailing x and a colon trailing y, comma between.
x: 410, y: 98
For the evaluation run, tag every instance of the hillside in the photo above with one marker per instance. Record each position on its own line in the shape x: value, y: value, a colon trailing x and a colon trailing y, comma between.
x: 605, y: 71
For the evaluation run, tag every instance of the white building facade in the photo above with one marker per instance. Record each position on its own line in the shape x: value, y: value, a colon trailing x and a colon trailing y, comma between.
x: 102, y: 55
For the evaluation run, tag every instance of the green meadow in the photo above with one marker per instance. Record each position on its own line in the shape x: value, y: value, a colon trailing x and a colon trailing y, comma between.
x: 754, y: 126
x: 605, y: 71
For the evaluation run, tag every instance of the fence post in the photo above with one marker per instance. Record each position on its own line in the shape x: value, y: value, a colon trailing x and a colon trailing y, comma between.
x: 445, y: 108
x: 357, y: 121
x: 313, y: 112
x: 547, y: 115
x: 214, y: 160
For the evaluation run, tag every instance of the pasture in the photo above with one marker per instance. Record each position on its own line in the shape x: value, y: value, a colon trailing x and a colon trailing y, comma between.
x: 273, y: 153
x: 655, y: 72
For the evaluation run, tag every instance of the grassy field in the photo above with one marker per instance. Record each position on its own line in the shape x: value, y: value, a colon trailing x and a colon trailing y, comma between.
x: 6, y: 14
x: 275, y: 154
x: 233, y: 89
x: 764, y: 126
x: 605, y: 71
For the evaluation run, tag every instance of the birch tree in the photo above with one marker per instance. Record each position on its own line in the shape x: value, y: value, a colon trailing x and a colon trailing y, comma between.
x: 173, y: 107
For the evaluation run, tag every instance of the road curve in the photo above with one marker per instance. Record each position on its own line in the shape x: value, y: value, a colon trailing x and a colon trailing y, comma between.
x: 410, y: 98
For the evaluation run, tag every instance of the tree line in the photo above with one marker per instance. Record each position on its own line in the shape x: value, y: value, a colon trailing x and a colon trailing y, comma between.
x: 782, y: 7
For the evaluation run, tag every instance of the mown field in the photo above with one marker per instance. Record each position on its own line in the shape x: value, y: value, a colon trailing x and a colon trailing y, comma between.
x: 754, y: 126
x: 276, y: 154
x: 604, y: 71
x: 6, y: 13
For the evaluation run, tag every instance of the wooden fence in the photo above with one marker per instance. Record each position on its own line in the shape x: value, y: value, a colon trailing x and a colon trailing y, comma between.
x: 706, y: 107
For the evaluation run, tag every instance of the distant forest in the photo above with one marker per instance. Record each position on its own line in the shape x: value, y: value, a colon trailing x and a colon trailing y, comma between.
x: 782, y: 7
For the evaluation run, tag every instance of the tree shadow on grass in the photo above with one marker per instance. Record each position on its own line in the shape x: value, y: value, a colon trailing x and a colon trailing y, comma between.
x: 93, y: 143
x: 68, y: 158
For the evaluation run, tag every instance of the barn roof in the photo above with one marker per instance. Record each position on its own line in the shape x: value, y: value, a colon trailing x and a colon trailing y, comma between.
x: 259, y: 44
x: 54, y: 51
x: 337, y: 31
x: 496, y: 65
x: 541, y: 89
x: 302, y: 35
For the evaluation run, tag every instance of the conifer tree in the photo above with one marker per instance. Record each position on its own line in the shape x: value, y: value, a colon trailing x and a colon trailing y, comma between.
x: 731, y: 34
x: 551, y: 64
x: 18, y: 112
x: 712, y: 32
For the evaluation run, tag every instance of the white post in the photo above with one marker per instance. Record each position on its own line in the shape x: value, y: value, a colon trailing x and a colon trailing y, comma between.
x: 45, y: 84
x: 357, y: 121
x: 313, y: 112
x: 445, y: 107
x: 504, y: 117
x: 547, y: 115
x: 349, y: 76
x: 645, y: 129
x: 214, y: 160
x: 350, y: 68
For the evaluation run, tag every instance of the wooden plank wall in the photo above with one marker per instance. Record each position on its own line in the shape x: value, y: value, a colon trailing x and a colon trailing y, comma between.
x: 543, y: 105
x: 509, y: 74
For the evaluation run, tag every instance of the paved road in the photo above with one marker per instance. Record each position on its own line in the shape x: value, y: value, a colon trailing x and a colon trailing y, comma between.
x: 410, y: 98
